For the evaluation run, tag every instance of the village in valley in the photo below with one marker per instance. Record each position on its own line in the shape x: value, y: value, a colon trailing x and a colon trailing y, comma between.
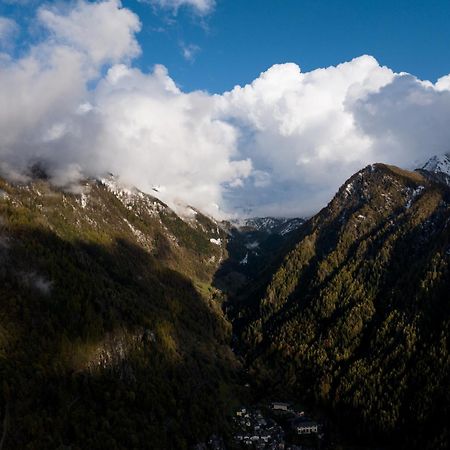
x: 276, y: 426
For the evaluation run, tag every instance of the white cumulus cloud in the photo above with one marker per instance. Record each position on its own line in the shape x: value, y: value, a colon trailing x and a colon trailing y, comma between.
x: 154, y: 134
x: 280, y: 145
x: 103, y: 31
x: 299, y: 132
x: 305, y: 133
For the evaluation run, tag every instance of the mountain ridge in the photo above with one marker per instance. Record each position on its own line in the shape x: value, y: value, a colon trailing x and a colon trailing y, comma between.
x: 324, y: 326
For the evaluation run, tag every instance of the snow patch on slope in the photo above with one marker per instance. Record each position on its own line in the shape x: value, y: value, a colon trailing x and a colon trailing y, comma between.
x: 133, y: 198
x: 244, y: 260
x: 414, y: 193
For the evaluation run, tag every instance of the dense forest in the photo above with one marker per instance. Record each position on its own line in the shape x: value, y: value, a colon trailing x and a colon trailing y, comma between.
x: 356, y: 317
x: 110, y: 334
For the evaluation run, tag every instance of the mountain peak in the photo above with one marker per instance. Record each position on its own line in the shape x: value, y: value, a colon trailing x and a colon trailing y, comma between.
x: 438, y: 163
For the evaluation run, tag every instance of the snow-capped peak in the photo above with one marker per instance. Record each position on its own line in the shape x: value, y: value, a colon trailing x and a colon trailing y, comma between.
x: 438, y: 163
x: 271, y: 225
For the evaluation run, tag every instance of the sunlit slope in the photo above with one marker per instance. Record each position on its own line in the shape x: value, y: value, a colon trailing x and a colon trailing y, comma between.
x: 357, y: 315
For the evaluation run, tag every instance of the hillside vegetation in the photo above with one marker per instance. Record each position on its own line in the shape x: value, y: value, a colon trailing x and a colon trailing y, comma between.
x: 113, y: 336
x: 356, y: 317
x: 110, y: 336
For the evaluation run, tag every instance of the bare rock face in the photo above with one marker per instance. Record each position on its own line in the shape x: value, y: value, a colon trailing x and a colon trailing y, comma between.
x: 115, y: 351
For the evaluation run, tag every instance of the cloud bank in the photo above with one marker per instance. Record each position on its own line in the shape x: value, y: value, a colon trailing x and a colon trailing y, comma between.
x: 281, y: 145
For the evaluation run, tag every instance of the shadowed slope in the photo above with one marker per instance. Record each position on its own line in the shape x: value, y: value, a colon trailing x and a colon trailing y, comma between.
x: 104, y: 340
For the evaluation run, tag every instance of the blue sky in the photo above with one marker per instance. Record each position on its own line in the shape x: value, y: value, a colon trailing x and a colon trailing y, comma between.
x: 238, y: 39
x: 245, y: 37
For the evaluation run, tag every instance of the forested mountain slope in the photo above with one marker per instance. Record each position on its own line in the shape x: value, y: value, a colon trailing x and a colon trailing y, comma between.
x: 110, y: 336
x: 357, y: 316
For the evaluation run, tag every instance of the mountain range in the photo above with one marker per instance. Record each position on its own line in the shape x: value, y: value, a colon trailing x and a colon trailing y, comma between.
x: 126, y: 325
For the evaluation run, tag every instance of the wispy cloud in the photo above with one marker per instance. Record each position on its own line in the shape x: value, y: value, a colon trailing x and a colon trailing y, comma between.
x: 189, y: 51
x: 200, y: 7
x: 8, y: 31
